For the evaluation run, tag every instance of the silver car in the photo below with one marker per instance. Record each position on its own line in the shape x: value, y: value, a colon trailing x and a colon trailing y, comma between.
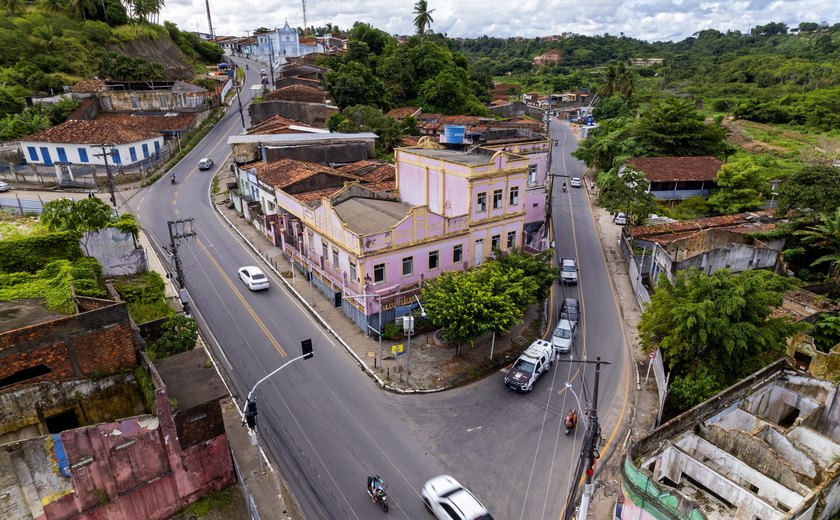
x: 449, y: 500
x: 563, y: 337
x: 568, y: 271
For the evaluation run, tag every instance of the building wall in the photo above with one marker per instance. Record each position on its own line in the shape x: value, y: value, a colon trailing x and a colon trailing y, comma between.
x: 156, y: 100
x: 94, y: 341
x: 126, y: 469
x: 116, y: 251
x: 736, y: 257
x: 33, y: 152
x: 313, y: 114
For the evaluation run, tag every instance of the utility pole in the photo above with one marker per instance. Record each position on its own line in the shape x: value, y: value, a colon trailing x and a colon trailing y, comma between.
x: 271, y: 60
x: 209, y: 21
x: 241, y: 115
x: 589, y: 450
x: 104, y: 156
x: 304, y: 18
x: 180, y: 230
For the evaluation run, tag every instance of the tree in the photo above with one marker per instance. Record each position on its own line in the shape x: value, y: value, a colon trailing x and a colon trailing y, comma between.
x: 740, y: 185
x: 673, y: 128
x: 627, y: 193
x: 491, y: 297
x: 825, y: 236
x: 179, y: 335
x: 83, y: 216
x: 9, y: 103
x: 619, y: 81
x: 81, y: 7
x: 610, y: 108
x: 713, y: 330
x: 14, y: 7
x: 354, y: 84
x: 423, y: 20
x: 363, y: 118
x: 536, y: 267
x: 814, y: 188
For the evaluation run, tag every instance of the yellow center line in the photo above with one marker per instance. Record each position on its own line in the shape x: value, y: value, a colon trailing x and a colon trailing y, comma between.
x: 245, y: 305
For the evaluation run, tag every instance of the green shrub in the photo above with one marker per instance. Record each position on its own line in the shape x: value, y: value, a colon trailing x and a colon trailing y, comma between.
x: 179, y: 335
x: 32, y: 253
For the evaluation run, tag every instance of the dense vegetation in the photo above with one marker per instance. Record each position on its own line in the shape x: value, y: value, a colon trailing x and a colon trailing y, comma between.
x: 378, y: 71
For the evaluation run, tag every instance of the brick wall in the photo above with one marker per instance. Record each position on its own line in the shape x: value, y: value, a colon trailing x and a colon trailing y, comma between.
x: 199, y: 423
x: 98, y: 340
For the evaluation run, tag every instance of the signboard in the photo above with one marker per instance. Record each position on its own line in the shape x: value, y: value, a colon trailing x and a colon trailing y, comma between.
x: 397, y: 349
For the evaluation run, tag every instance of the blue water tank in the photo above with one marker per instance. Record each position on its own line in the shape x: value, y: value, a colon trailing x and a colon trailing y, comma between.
x: 453, y: 134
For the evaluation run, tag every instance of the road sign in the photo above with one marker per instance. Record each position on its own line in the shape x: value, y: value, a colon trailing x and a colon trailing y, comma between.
x: 397, y: 349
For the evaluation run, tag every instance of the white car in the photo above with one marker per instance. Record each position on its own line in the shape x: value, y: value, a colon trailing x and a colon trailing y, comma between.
x: 253, y: 277
x: 575, y: 182
x: 568, y: 271
x: 205, y: 164
x: 564, y: 336
x: 449, y: 500
x: 620, y: 219
x: 4, y: 186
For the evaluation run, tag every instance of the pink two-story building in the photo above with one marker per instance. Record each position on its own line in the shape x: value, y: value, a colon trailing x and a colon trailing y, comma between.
x: 451, y: 210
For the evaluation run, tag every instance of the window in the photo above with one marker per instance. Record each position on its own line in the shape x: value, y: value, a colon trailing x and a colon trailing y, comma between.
x: 33, y: 154
x: 62, y: 154
x: 324, y: 252
x: 157, y: 147
x: 132, y: 152
x: 408, y: 265
x: 83, y: 156
x: 433, y: 260
x: 145, y: 150
x: 495, y: 242
x: 532, y: 174
x: 311, y: 236
x: 135, y: 102
x: 335, y: 258
x: 353, y: 273
x: 481, y: 203
x: 457, y: 253
x: 511, y: 243
x: 497, y: 199
x: 378, y: 273
x: 514, y: 196
x: 115, y: 156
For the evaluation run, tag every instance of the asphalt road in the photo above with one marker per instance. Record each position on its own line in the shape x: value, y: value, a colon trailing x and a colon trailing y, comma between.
x: 326, y: 424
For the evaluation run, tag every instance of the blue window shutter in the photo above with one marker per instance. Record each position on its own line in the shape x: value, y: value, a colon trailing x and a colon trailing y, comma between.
x: 115, y: 156
x: 62, y: 154
x: 33, y: 153
x: 133, y: 153
x: 83, y: 156
x: 145, y: 150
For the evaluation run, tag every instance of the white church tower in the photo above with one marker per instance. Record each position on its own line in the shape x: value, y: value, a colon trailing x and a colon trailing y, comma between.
x: 289, y: 43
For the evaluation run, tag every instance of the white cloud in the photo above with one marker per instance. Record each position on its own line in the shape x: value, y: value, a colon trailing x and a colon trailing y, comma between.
x: 646, y: 19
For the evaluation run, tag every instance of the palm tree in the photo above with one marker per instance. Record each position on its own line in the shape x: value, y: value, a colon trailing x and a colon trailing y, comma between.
x: 825, y: 235
x: 81, y: 7
x: 14, y: 6
x: 423, y: 20
x: 619, y: 81
x: 53, y: 6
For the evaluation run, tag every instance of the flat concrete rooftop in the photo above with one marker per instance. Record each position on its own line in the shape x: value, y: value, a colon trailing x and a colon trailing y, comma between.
x: 371, y: 216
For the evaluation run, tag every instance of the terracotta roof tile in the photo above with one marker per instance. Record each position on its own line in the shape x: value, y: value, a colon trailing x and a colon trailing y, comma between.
x: 664, y: 169
x: 298, y: 93
x: 92, y: 132
x: 402, y: 112
x: 172, y: 122
x: 285, y: 172
x: 277, y: 125
x: 738, y: 223
x: 312, y: 196
x: 88, y: 85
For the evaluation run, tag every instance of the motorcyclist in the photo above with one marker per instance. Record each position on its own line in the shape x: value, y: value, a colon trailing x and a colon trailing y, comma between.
x: 564, y: 186
x: 571, y: 420
x: 246, y: 66
x: 172, y: 177
x: 376, y: 487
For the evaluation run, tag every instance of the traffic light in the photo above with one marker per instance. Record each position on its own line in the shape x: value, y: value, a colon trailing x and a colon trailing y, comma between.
x: 251, y: 414
x: 306, y: 346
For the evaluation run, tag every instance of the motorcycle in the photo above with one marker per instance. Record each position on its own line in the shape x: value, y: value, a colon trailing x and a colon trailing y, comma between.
x: 172, y: 178
x: 564, y: 187
x: 376, y: 490
x: 570, y: 422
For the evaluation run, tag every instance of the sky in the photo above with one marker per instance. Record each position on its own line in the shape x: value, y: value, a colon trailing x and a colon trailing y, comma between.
x: 652, y: 20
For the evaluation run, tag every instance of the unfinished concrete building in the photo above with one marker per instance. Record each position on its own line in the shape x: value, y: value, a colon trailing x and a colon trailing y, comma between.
x: 767, y: 448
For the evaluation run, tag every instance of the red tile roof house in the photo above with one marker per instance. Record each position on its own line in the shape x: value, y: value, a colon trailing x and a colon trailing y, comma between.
x: 74, y: 142
x: 677, y: 178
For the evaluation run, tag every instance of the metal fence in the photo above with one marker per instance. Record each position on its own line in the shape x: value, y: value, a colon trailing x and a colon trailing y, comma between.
x: 20, y: 206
